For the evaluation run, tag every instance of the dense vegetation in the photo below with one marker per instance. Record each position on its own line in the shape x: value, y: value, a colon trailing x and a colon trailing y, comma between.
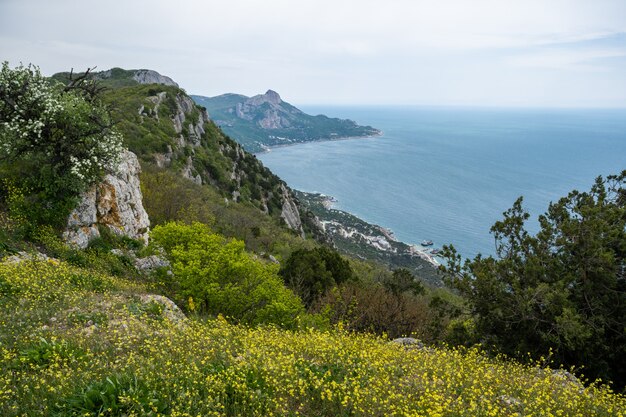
x: 79, y: 343
x: 561, y: 292
x: 219, y: 277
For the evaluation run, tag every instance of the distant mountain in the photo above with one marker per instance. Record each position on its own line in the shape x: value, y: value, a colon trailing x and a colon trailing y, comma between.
x: 265, y: 120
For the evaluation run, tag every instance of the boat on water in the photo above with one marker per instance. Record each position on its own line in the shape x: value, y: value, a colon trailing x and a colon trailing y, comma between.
x: 435, y: 251
x: 427, y: 242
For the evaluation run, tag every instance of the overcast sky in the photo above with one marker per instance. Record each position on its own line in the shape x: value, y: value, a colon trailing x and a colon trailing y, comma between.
x: 441, y: 52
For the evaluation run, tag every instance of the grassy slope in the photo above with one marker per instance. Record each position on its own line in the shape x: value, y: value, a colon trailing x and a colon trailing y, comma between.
x: 76, y: 342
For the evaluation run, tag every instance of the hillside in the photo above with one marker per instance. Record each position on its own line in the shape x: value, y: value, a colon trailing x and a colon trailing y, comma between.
x: 265, y: 120
x: 75, y: 342
x: 169, y: 132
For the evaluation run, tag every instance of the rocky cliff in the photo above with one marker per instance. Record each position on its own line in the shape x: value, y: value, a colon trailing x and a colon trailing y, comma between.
x: 114, y: 203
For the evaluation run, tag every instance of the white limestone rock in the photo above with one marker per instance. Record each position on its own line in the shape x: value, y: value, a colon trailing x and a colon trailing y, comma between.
x: 144, y: 76
x: 290, y: 212
x: 116, y: 203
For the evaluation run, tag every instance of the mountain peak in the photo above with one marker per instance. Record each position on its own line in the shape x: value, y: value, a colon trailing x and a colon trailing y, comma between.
x: 118, y: 77
x: 272, y: 96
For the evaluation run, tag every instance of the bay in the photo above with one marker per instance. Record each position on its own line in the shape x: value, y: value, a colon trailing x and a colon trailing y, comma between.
x: 447, y: 174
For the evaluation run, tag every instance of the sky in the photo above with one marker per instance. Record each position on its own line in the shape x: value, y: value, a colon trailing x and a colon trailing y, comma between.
x: 529, y: 53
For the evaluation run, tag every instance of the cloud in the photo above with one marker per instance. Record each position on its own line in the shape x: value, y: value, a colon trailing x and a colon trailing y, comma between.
x: 348, y: 50
x: 568, y: 60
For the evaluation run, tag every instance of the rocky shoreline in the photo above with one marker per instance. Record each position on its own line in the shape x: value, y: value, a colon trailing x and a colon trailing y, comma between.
x: 414, y: 249
x: 356, y: 237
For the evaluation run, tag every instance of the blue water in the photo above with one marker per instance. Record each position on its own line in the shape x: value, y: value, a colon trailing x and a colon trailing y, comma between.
x: 447, y: 174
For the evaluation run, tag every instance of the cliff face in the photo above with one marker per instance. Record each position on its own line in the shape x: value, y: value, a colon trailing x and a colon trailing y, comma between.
x: 115, y: 203
x: 290, y: 212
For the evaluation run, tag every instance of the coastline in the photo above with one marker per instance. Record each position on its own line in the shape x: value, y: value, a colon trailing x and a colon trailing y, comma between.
x: 416, y: 249
x: 267, y: 148
x: 379, y: 238
x: 356, y: 237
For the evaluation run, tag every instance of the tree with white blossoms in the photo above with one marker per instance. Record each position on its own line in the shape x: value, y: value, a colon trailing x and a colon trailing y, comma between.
x: 55, y: 140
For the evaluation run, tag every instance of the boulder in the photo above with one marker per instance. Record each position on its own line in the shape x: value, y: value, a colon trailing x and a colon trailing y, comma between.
x: 23, y: 256
x: 150, y: 263
x: 170, y: 310
x: 408, y: 342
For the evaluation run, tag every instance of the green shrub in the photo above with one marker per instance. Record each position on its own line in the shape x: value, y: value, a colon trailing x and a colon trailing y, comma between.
x: 42, y: 353
x: 222, y: 278
x: 311, y: 272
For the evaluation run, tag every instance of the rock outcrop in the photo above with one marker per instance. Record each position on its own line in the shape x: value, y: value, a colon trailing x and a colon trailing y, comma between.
x: 290, y: 212
x: 267, y: 110
x: 115, y: 203
x: 144, y: 76
x: 141, y: 76
x: 23, y: 256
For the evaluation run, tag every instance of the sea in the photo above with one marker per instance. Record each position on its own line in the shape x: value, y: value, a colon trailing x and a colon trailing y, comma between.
x: 446, y: 174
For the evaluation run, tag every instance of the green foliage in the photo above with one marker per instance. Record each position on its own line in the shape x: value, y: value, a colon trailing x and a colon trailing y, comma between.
x: 55, y: 141
x: 311, y: 272
x: 97, y: 256
x: 151, y: 310
x: 561, y: 292
x: 401, y: 281
x: 42, y: 352
x: 169, y: 197
x: 223, y: 279
x: 116, y: 395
